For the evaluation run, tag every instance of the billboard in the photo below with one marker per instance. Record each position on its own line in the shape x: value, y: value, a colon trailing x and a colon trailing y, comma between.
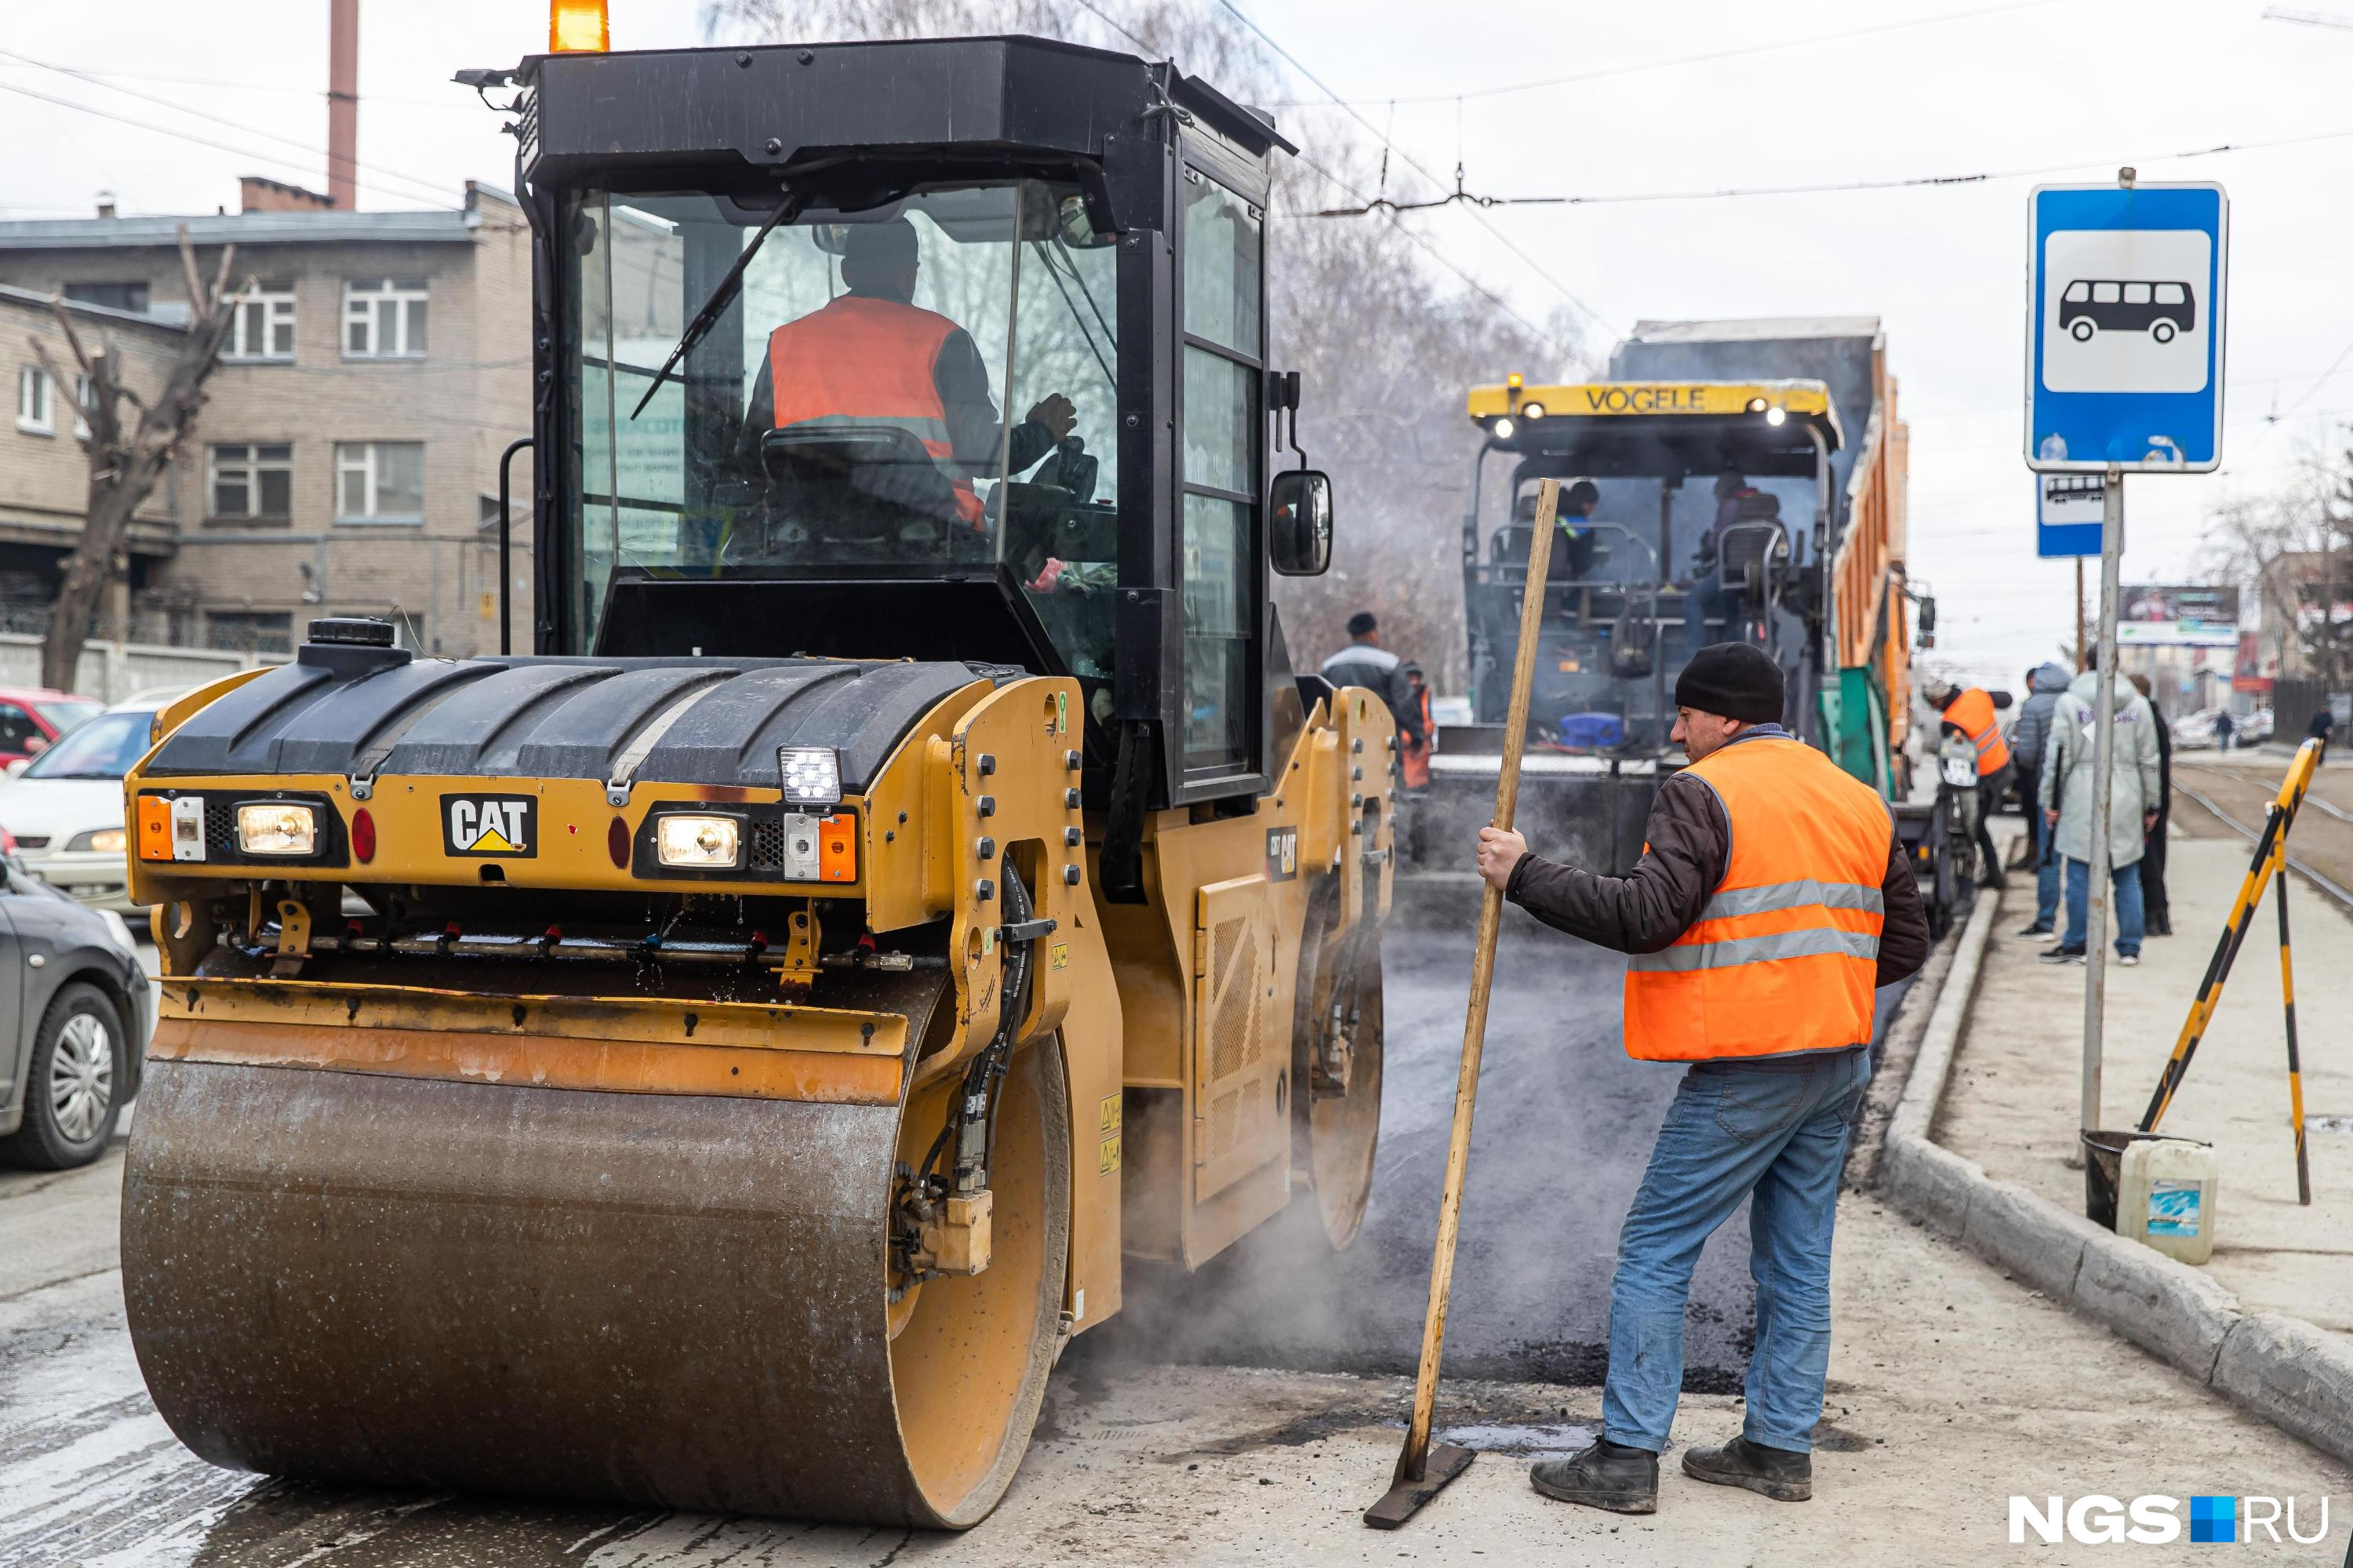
x: 2253, y: 672
x: 2179, y: 615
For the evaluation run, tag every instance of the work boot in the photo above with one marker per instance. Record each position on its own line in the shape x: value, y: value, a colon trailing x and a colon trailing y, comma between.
x: 1608, y: 1474
x: 1776, y: 1473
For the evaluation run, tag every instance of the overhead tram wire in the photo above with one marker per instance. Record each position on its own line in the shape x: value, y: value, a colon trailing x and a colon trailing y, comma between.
x: 1408, y: 160
x: 1419, y: 243
x: 1832, y: 187
x: 278, y: 159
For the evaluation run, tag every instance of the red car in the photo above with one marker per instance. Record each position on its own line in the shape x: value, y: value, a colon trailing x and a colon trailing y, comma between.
x: 31, y: 719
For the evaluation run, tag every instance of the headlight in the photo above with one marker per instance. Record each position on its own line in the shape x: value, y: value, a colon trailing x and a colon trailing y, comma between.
x: 1502, y: 428
x: 105, y: 841
x: 118, y: 933
x: 1776, y: 416
x: 683, y: 839
x: 1532, y: 411
x: 277, y: 828
x: 811, y: 774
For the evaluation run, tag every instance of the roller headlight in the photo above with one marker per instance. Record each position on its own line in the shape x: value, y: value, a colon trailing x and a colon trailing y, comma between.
x: 276, y: 828
x: 704, y: 842
x: 811, y: 775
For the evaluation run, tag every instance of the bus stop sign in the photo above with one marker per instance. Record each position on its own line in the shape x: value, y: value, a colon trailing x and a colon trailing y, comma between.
x: 2124, y: 327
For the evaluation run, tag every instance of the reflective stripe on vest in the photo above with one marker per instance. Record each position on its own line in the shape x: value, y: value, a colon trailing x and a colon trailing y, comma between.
x: 864, y: 361
x: 1784, y: 955
x: 1973, y: 713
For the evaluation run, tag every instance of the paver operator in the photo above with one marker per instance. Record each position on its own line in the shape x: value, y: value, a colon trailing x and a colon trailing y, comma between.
x: 1970, y: 710
x: 1771, y: 899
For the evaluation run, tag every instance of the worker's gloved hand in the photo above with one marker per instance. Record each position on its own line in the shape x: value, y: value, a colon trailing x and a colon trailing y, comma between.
x: 1057, y: 414
x: 1499, y: 850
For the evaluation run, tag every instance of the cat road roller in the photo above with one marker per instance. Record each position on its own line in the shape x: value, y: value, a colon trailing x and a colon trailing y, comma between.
x: 718, y: 1060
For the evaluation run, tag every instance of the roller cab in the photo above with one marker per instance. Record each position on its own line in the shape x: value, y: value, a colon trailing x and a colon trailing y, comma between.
x: 717, y: 1058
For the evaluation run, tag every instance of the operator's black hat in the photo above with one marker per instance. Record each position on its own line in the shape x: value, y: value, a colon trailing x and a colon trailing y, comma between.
x: 890, y: 243
x: 1733, y: 678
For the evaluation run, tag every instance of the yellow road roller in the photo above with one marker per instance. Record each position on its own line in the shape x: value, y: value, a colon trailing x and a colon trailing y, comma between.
x: 719, y: 1059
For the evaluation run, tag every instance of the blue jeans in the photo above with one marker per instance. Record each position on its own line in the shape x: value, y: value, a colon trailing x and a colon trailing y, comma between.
x: 2125, y: 904
x: 1777, y: 1137
x: 2046, y: 875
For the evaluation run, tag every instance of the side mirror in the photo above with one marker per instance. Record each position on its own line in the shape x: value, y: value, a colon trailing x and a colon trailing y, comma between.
x: 1926, y: 619
x: 1300, y: 512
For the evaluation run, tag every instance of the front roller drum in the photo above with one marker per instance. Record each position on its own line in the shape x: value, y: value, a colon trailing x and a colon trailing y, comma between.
x: 675, y: 1300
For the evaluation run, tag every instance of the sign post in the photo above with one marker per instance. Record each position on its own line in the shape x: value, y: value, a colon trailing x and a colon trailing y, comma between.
x: 2126, y: 289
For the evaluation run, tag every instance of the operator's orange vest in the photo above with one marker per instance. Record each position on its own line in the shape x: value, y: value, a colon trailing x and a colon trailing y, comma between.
x: 861, y: 361
x: 1414, y: 756
x: 1972, y: 713
x: 1784, y: 954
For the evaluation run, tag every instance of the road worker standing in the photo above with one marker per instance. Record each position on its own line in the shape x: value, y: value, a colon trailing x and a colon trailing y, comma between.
x: 1771, y: 900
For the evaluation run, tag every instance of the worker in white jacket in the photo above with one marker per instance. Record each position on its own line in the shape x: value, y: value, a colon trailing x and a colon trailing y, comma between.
x: 2066, y: 794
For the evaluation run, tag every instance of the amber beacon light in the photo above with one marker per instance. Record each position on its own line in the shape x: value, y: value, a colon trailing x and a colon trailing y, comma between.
x: 577, y: 27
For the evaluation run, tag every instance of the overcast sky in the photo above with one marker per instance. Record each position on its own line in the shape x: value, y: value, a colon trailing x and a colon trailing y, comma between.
x: 1868, y: 90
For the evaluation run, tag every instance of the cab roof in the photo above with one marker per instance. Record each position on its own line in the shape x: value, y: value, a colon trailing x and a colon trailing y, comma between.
x: 1630, y: 428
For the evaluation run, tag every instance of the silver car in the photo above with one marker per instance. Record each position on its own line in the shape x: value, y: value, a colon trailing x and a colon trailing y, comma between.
x: 77, y: 1011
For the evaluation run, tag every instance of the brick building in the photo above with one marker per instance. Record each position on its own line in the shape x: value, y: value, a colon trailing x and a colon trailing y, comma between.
x: 346, y: 460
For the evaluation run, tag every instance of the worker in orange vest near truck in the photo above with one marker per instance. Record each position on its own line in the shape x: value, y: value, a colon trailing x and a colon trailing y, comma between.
x: 1970, y: 710
x: 1413, y: 750
x: 871, y: 357
x: 1771, y: 901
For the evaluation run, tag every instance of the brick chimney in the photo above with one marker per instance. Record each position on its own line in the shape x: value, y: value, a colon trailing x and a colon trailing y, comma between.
x: 342, y: 103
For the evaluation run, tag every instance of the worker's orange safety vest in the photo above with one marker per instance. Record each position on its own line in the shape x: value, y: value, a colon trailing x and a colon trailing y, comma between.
x: 861, y: 361
x: 1414, y: 758
x: 1972, y: 713
x: 1785, y: 953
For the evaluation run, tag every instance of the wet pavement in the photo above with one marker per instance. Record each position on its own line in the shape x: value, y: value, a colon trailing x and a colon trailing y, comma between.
x: 90, y: 1476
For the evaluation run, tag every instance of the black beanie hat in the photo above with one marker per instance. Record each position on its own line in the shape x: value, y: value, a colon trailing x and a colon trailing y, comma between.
x: 1733, y: 678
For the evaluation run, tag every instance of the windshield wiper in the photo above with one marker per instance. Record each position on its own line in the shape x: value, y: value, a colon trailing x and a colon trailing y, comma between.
x: 721, y: 297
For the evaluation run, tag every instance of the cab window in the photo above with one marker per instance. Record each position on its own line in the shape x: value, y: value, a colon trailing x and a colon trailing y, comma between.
x: 1223, y: 372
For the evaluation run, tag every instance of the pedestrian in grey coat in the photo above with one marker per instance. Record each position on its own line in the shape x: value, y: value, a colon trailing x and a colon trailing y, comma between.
x: 2065, y: 795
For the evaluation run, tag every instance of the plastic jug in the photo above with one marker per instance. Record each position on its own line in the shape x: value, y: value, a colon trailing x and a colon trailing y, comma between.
x: 2165, y: 1196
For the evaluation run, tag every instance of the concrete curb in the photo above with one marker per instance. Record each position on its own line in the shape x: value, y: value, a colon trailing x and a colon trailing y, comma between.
x: 2292, y: 1374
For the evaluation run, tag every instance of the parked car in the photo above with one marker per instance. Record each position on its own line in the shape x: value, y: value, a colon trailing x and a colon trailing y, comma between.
x: 2195, y: 731
x: 77, y: 1011
x: 32, y: 719
x: 65, y: 807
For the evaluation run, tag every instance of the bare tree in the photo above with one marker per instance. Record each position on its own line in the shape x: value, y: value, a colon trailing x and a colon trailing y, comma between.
x: 125, y: 460
x: 2286, y: 546
x: 1385, y: 344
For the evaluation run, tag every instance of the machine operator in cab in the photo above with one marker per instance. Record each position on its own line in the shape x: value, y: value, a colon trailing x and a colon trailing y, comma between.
x: 1970, y: 710
x: 871, y: 357
x: 1771, y: 901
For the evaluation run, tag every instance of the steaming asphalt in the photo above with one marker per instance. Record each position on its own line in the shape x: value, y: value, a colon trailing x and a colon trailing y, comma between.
x: 1564, y: 1129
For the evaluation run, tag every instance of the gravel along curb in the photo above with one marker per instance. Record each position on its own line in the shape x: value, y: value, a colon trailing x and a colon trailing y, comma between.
x: 2288, y: 1371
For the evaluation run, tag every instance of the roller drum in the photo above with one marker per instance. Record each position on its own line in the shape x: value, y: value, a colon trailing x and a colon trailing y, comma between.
x: 677, y: 1300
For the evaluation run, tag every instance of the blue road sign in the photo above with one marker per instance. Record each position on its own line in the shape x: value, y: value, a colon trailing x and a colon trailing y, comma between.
x: 2125, y: 314
x: 2067, y: 522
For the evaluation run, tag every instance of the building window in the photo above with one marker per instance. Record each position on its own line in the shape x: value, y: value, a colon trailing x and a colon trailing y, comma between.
x: 263, y: 328
x: 247, y: 481
x: 250, y: 631
x: 85, y: 399
x: 33, y: 413
x: 384, y: 319
x: 380, y: 481
x: 131, y: 296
